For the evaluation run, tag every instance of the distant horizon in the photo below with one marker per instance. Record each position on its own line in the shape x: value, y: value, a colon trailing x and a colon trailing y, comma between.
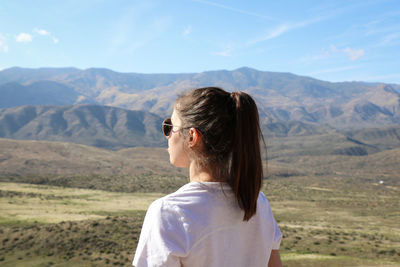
x: 331, y: 41
x: 211, y: 70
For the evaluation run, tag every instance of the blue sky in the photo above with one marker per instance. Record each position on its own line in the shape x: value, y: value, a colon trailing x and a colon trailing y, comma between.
x: 328, y: 40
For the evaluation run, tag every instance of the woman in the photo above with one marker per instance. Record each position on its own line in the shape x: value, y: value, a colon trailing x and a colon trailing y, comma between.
x: 220, y: 218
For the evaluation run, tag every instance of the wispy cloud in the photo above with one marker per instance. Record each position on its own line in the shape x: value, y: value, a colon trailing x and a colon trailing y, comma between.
x: 44, y: 32
x: 323, y: 55
x: 279, y: 30
x: 153, y: 30
x: 236, y: 10
x: 282, y: 29
x: 353, y: 54
x: 376, y: 28
x: 225, y: 52
x: 41, y: 31
x: 271, y: 34
x: 135, y: 29
x: 27, y: 37
x: 3, y: 44
x: 23, y: 38
x: 383, y: 31
x: 329, y: 53
x: 390, y: 39
x: 337, y: 8
x: 187, y: 30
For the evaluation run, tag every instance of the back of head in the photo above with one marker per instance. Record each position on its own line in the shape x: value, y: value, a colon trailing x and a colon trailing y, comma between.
x: 231, y: 135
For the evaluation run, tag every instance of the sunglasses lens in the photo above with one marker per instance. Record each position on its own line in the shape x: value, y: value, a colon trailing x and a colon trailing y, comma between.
x: 167, y: 127
x: 167, y: 130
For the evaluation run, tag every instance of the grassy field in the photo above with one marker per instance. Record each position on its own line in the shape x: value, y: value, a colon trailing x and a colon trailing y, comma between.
x: 44, y: 225
x: 80, y: 206
x: 327, y: 221
x: 335, y: 221
x: 26, y: 203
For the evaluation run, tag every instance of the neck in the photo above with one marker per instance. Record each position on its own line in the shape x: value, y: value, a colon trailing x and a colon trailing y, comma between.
x: 196, y: 175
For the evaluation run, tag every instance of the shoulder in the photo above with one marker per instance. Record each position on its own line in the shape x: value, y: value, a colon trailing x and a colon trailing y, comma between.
x: 161, y: 210
x: 188, y: 196
x: 162, y: 237
x: 265, y: 212
x: 262, y: 200
x: 169, y: 208
x: 163, y: 222
x: 264, y: 208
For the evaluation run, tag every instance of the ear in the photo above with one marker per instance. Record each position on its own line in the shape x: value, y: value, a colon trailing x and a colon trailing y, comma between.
x: 194, y: 137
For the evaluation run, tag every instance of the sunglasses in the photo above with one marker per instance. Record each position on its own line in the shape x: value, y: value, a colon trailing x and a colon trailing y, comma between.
x: 167, y: 127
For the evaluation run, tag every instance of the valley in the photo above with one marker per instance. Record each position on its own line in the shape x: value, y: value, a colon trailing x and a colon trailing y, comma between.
x: 333, y: 209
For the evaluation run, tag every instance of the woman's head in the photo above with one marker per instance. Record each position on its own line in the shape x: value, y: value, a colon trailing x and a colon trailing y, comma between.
x: 209, y: 110
x: 229, y: 130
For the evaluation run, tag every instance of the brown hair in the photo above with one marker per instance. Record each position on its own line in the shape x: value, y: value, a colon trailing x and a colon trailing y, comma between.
x: 230, y: 127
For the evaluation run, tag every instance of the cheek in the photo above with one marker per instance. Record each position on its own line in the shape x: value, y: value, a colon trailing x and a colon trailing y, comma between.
x: 177, y: 154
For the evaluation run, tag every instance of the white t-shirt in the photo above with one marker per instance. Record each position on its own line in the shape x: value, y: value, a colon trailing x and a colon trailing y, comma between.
x: 201, y: 224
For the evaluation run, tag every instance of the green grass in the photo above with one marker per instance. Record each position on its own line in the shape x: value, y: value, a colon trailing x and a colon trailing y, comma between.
x: 50, y: 204
x: 145, y: 182
x: 109, y: 241
x: 332, y: 209
x: 334, y: 221
x: 325, y: 222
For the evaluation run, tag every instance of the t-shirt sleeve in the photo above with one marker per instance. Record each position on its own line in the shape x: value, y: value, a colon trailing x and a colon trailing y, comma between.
x: 162, y: 239
x: 277, y: 236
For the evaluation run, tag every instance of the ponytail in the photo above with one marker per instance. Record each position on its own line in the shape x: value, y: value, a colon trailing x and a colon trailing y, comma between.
x: 230, y: 129
x: 246, y: 170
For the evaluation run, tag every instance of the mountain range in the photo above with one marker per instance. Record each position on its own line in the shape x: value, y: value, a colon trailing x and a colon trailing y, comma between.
x: 100, y: 126
x: 101, y: 110
x: 281, y: 97
x: 115, y: 128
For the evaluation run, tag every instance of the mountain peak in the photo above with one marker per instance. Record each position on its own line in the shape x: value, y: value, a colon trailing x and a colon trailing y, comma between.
x: 244, y: 68
x: 284, y: 95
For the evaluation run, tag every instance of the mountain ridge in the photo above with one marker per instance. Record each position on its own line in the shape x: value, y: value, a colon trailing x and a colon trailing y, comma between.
x: 100, y: 126
x: 280, y: 96
x: 115, y: 128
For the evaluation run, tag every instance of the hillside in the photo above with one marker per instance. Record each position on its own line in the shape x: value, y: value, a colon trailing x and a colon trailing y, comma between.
x: 56, y: 158
x: 385, y: 137
x: 116, y: 128
x: 69, y: 164
x: 99, y: 126
x: 280, y: 96
x: 38, y: 93
x: 72, y: 165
